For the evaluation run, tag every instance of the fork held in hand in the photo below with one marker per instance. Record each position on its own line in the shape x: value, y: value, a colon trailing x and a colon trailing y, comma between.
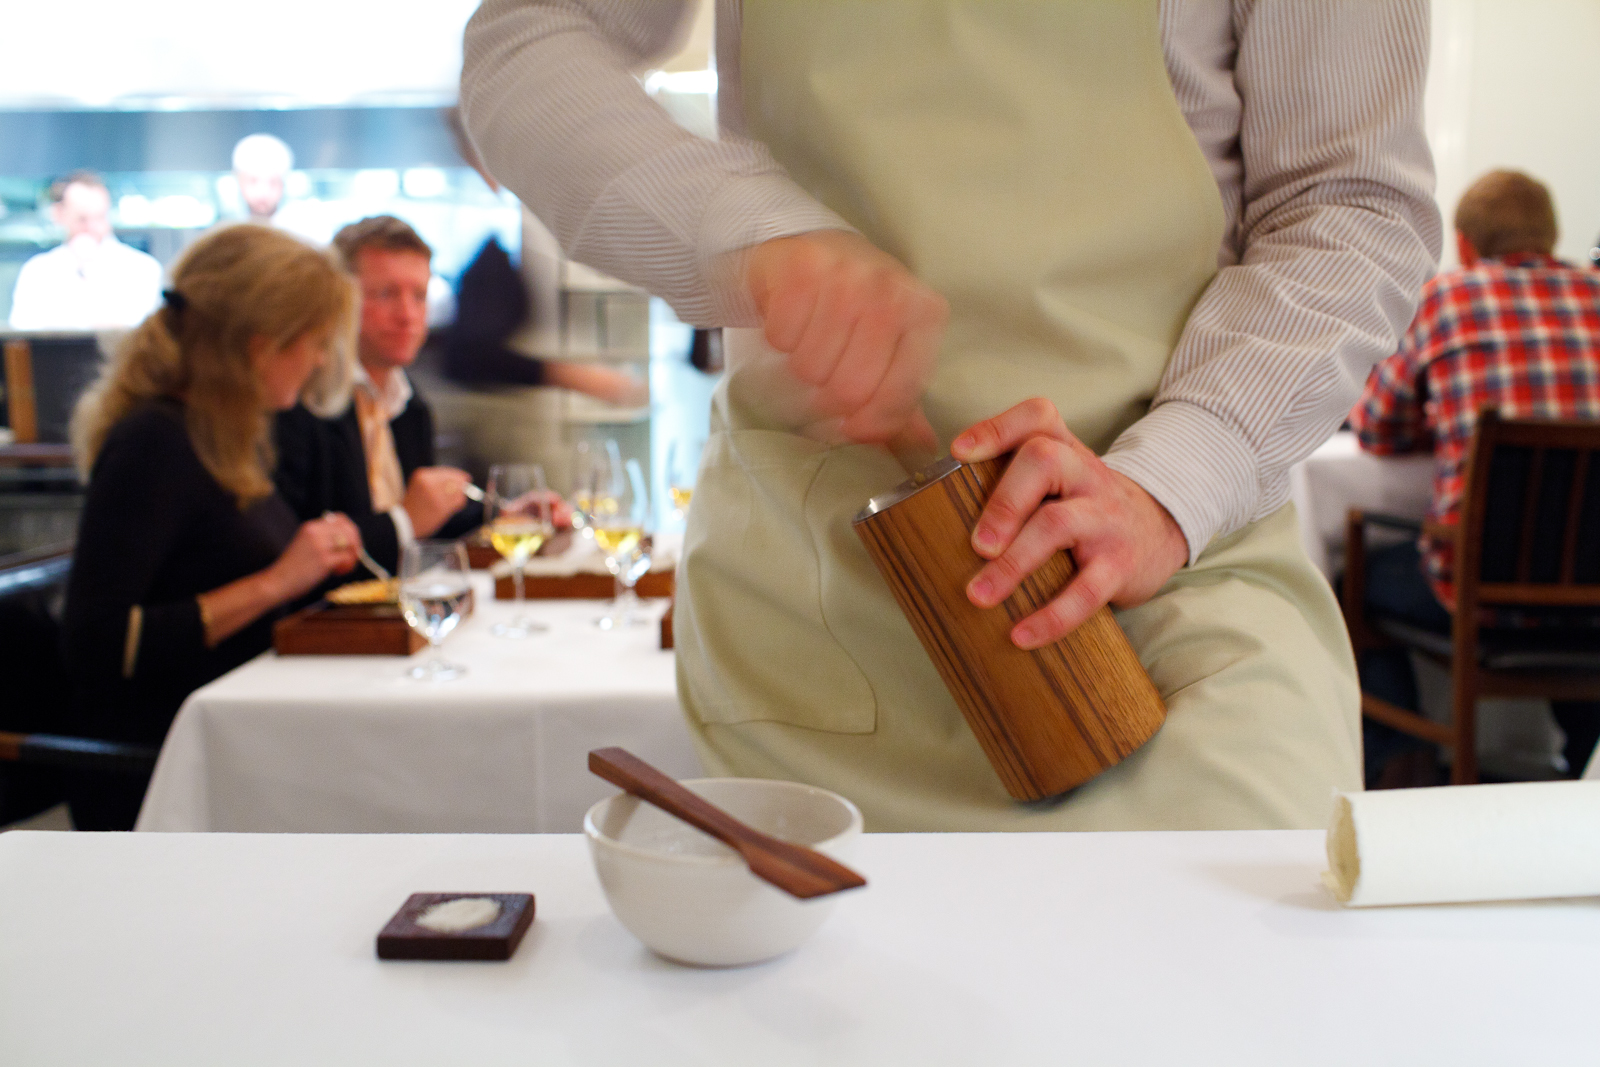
x: 366, y: 560
x: 797, y: 870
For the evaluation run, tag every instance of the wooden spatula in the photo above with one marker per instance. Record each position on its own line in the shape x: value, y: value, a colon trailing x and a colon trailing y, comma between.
x: 795, y: 869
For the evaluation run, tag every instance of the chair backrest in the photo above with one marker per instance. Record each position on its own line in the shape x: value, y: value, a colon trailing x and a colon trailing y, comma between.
x: 35, y: 570
x: 22, y: 409
x: 36, y: 688
x: 58, y: 367
x: 1530, y: 519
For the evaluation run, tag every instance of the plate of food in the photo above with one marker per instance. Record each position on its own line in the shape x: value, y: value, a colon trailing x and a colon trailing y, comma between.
x: 375, y: 591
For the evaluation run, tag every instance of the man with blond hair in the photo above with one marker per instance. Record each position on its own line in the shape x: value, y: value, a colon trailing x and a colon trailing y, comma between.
x: 375, y: 461
x: 1514, y: 329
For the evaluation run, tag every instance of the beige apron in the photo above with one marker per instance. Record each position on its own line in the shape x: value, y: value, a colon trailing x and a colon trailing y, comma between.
x: 1027, y: 159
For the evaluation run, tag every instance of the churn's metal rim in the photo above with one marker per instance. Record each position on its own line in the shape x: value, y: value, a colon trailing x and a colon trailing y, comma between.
x: 919, y: 481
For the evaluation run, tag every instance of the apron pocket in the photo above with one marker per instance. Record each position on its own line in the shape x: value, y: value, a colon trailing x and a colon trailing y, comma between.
x: 757, y: 646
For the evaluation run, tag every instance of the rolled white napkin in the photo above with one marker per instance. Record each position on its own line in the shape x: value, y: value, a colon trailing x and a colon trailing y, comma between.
x: 1461, y: 843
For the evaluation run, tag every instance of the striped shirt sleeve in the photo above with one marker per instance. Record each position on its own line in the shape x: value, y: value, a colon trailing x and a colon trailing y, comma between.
x: 1391, y: 419
x: 1310, y: 115
x: 1335, y: 230
x: 549, y: 95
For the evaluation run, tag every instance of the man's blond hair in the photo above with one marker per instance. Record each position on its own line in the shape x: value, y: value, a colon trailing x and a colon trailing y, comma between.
x: 381, y: 233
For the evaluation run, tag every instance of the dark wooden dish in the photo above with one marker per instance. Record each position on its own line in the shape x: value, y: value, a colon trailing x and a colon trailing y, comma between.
x: 325, y: 629
x: 581, y: 586
x: 403, y: 939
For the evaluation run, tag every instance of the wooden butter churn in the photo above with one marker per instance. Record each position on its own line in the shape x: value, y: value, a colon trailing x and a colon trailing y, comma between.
x: 1049, y: 719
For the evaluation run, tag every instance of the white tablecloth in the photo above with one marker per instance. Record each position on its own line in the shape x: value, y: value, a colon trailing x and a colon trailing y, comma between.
x: 984, y: 949
x: 1339, y: 476
x: 348, y: 744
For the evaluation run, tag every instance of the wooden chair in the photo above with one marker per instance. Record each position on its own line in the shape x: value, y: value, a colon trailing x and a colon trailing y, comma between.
x: 22, y: 414
x: 1529, y: 538
x: 78, y: 753
x: 33, y: 695
x: 21, y: 406
x: 45, y: 375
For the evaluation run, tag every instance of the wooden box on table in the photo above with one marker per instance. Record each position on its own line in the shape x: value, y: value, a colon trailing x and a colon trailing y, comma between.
x: 581, y: 586
x: 325, y: 629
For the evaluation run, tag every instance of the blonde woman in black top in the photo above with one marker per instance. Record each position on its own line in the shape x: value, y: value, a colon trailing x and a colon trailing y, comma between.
x: 185, y: 552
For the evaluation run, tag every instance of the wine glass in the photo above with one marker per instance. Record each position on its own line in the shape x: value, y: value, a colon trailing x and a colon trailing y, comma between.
x: 517, y: 516
x: 592, y: 470
x: 683, y: 467
x: 434, y: 587
x: 619, y: 530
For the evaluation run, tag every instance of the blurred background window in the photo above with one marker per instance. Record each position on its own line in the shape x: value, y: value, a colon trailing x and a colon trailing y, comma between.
x: 156, y: 100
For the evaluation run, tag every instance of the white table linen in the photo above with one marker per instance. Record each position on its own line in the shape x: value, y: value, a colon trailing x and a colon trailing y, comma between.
x: 993, y: 949
x: 348, y: 744
x: 1339, y: 476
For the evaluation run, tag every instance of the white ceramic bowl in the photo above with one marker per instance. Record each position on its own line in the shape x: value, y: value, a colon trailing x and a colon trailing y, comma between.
x: 690, y: 897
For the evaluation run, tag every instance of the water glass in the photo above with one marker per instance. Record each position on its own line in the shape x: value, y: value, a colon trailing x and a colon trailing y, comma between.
x: 434, y: 588
x: 594, y: 470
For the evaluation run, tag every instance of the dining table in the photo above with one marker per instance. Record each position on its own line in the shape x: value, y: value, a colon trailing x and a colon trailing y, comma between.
x: 351, y: 744
x: 962, y: 949
x: 1339, y: 476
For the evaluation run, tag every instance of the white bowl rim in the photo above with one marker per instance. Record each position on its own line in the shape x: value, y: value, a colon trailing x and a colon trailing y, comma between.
x: 592, y: 831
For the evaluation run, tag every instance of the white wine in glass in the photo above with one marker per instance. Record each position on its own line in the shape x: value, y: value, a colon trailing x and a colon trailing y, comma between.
x: 683, y: 469
x: 619, y: 530
x: 516, y: 539
x: 434, y: 588
x: 618, y: 540
x: 517, y: 514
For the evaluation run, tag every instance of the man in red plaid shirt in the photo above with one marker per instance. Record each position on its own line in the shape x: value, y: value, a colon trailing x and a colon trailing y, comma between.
x: 1514, y: 329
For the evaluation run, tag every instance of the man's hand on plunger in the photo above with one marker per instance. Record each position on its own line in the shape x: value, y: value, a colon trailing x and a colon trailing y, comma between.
x: 862, y: 330
x: 857, y: 326
x: 1055, y: 495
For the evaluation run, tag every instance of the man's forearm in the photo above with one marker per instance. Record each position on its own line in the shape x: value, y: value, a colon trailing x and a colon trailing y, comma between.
x: 549, y: 97
x: 603, y: 383
x: 1338, y: 230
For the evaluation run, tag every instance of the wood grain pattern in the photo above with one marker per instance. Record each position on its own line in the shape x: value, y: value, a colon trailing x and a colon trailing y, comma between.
x: 356, y: 630
x: 480, y: 555
x: 22, y: 409
x: 797, y: 870
x: 1509, y: 498
x: 581, y: 586
x: 402, y: 939
x: 1048, y: 720
x: 36, y: 455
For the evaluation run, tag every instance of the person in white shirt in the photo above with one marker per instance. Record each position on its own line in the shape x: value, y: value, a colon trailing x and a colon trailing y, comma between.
x: 261, y: 166
x: 1154, y: 246
x: 261, y: 162
x: 91, y: 280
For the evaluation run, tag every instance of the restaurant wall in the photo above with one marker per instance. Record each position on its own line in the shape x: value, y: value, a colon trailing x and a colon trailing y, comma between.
x: 201, y: 53
x: 1512, y: 84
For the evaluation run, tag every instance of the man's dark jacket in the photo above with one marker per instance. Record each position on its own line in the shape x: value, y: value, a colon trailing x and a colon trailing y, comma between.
x: 322, y: 466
